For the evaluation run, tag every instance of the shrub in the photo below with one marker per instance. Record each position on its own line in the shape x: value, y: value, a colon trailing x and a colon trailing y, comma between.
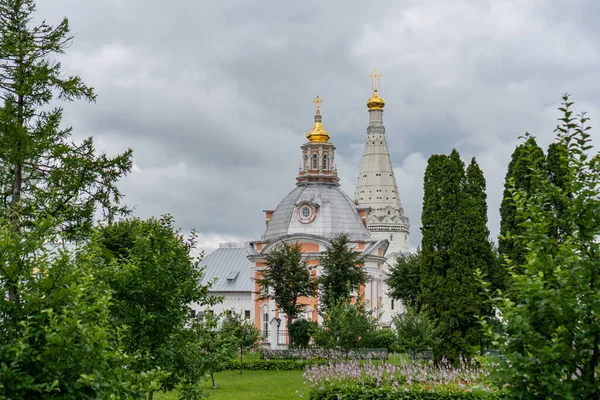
x: 301, y: 331
x: 276, y: 365
x: 382, y: 339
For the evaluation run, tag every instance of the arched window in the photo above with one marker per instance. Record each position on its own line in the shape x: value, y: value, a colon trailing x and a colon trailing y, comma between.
x: 325, y: 162
x: 315, y: 163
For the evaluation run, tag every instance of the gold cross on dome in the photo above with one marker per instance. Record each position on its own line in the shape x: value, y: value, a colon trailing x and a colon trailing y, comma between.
x: 317, y: 102
x: 375, y: 76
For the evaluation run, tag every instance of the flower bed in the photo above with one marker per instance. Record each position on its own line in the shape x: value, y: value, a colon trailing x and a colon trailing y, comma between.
x: 407, y: 380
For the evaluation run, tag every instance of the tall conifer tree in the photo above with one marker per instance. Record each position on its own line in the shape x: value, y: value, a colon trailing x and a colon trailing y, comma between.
x: 455, y: 244
x: 518, y: 175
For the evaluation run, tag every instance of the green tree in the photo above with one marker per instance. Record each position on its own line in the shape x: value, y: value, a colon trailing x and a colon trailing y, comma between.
x: 455, y: 244
x: 245, y: 334
x: 346, y: 324
x: 217, y: 347
x: 416, y: 331
x: 404, y: 280
x: 154, y: 278
x: 516, y: 176
x: 56, y: 339
x: 289, y: 277
x: 42, y: 172
x: 342, y: 272
x: 551, y: 335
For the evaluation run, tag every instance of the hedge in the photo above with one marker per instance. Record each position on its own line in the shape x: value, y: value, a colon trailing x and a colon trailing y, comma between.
x: 276, y: 365
x: 355, y: 392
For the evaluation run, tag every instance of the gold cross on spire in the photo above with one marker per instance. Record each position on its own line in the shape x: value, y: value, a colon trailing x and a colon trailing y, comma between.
x: 317, y: 101
x: 375, y: 76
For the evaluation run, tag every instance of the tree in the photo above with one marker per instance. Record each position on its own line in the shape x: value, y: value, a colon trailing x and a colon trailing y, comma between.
x: 346, y: 324
x: 154, y: 278
x: 551, y: 335
x: 455, y: 244
x: 244, y: 333
x: 404, y: 280
x: 55, y: 336
x: 517, y: 176
x: 290, y: 277
x: 217, y: 347
x: 42, y: 172
x: 57, y: 340
x: 342, y: 272
x: 416, y: 331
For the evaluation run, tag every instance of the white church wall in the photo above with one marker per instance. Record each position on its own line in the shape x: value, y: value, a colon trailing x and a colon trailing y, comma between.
x: 240, y: 302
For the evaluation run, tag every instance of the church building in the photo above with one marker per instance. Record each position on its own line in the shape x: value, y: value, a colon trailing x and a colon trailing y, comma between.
x: 316, y: 211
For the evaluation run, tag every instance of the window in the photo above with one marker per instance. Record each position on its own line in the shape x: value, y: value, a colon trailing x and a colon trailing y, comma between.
x: 247, y: 314
x: 392, y: 304
x: 325, y: 162
x: 315, y: 164
x: 265, y: 324
x: 305, y: 212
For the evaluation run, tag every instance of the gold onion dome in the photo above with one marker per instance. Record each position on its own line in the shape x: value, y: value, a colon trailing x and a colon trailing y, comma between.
x: 375, y: 102
x: 318, y: 133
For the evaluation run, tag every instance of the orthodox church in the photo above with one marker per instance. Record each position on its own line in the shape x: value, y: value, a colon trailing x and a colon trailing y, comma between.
x: 312, y: 214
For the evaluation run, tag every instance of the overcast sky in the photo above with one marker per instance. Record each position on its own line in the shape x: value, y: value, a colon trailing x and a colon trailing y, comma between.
x: 215, y: 97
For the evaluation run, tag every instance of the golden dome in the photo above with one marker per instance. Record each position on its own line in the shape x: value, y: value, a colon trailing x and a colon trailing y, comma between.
x: 318, y: 133
x: 375, y: 102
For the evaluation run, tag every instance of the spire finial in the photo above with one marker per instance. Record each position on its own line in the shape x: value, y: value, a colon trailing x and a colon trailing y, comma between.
x: 318, y: 133
x: 317, y: 101
x: 375, y: 76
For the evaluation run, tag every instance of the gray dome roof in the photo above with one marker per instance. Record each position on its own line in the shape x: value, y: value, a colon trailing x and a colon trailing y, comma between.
x: 335, y: 213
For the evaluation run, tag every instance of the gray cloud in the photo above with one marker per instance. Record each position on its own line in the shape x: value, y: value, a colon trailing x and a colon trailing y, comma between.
x: 215, y: 97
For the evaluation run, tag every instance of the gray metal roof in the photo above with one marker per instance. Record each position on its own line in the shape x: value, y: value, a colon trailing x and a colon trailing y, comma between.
x: 336, y: 213
x: 232, y: 268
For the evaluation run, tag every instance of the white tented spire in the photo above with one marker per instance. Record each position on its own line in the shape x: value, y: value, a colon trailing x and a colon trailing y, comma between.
x: 377, y: 188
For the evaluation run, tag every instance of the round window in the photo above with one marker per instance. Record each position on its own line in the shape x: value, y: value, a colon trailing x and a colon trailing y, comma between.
x: 305, y: 212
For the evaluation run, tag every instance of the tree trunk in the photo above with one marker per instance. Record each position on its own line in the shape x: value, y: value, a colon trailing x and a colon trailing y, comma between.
x: 212, y: 376
x: 241, y: 360
x: 150, y: 394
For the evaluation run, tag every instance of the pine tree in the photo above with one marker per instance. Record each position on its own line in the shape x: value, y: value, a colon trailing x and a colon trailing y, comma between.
x: 42, y: 172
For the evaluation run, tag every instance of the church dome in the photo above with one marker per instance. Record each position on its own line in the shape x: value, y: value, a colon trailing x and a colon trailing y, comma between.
x: 316, y: 209
x: 375, y: 102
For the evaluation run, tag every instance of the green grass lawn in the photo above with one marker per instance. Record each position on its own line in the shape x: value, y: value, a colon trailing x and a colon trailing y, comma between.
x: 253, y: 385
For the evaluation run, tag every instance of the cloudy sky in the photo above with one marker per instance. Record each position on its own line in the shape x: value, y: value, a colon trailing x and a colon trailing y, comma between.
x: 215, y: 96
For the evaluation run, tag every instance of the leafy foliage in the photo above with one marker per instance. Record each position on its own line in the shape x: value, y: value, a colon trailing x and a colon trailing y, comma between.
x: 290, y: 277
x: 455, y: 244
x: 346, y: 325
x: 216, y: 347
x: 342, y: 272
x: 245, y: 335
x: 416, y: 331
x: 56, y: 340
x: 551, y: 334
x: 154, y: 278
x: 301, y: 330
x: 404, y: 280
